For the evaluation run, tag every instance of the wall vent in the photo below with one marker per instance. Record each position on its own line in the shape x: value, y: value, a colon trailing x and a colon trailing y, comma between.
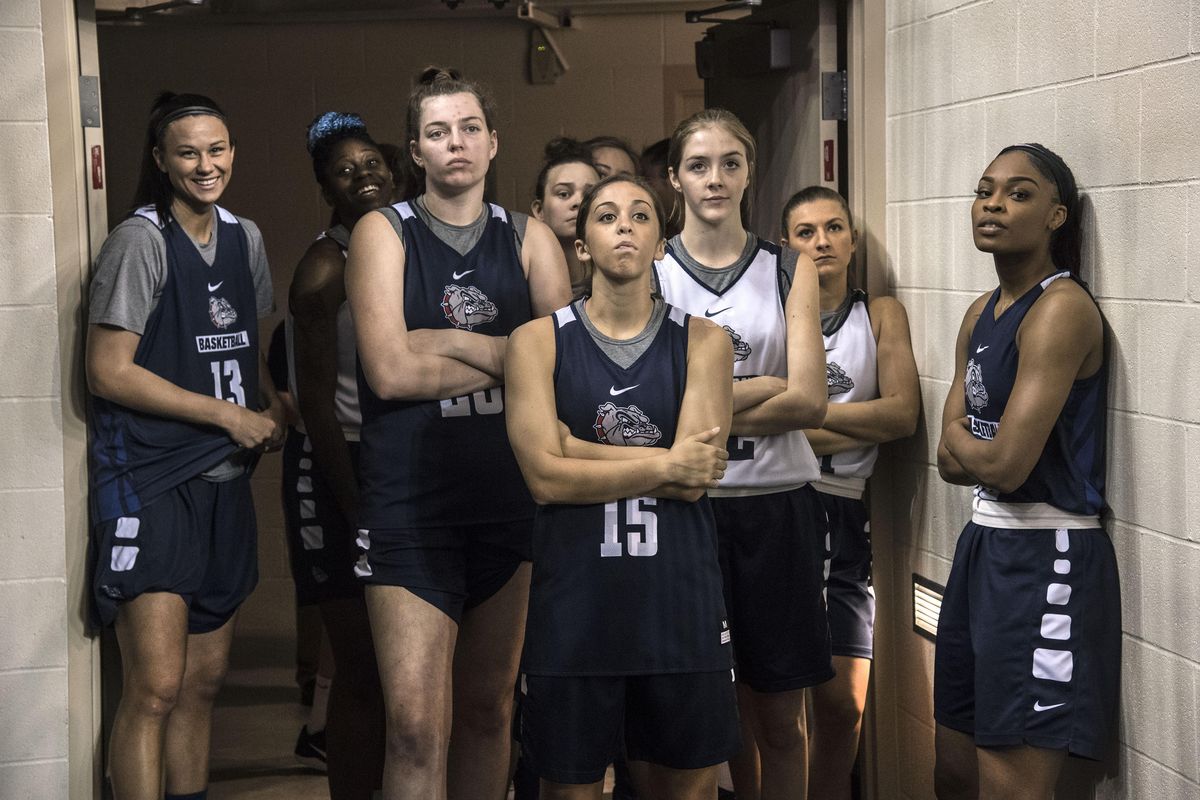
x: 927, y: 606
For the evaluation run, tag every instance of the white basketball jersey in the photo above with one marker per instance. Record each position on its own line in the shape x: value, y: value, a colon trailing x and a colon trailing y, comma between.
x: 850, y: 371
x: 751, y: 312
x: 345, y: 398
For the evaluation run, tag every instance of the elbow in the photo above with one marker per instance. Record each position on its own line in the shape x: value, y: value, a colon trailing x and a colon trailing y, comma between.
x: 545, y: 492
x: 811, y: 413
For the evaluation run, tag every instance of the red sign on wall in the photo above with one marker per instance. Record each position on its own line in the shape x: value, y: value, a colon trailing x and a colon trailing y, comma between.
x: 829, y: 159
x: 97, y: 168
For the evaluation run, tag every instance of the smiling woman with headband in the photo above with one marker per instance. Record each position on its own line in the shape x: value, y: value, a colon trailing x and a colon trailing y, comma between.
x: 182, y: 403
x: 1029, y: 641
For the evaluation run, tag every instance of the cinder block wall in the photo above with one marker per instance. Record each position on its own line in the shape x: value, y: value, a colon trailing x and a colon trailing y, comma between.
x: 33, y: 591
x: 1113, y: 86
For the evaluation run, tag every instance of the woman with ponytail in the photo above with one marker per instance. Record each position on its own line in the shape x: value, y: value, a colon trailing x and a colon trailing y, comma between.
x: 445, y: 522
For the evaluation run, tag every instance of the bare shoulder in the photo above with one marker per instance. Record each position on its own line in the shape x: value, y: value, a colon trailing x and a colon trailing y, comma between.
x: 533, y: 335
x: 1066, y: 307
x: 319, y: 280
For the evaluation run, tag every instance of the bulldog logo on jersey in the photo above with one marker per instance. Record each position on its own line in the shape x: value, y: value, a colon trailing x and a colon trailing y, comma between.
x: 836, y: 379
x: 466, y: 306
x: 741, y: 348
x: 977, y: 395
x: 625, y: 425
x: 220, y: 312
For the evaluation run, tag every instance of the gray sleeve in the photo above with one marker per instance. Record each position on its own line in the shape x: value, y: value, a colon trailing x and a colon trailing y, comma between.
x: 128, y: 276
x: 787, y: 272
x: 260, y: 270
x: 520, y: 223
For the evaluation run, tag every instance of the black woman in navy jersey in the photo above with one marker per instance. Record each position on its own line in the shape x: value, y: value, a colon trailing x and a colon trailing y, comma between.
x: 320, y: 463
x: 1029, y: 639
x: 874, y: 397
x: 769, y: 520
x: 182, y: 402
x: 618, y: 404
x: 436, y: 285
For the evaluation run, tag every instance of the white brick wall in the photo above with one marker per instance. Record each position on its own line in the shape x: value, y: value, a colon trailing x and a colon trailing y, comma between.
x: 33, y: 595
x: 1114, y: 87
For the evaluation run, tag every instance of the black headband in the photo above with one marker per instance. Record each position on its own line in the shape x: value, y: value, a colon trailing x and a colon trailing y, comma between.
x: 186, y: 111
x: 1051, y: 165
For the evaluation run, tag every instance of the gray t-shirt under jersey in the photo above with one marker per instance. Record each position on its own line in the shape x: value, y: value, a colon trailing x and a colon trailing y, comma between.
x: 718, y: 280
x: 624, y: 352
x: 128, y: 279
x: 462, y: 238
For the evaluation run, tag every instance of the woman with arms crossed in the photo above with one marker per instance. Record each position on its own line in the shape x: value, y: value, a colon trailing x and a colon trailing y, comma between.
x: 436, y: 286
x: 617, y: 406
x: 321, y: 461
x: 874, y: 397
x: 1029, y: 639
x: 769, y: 520
x: 182, y: 403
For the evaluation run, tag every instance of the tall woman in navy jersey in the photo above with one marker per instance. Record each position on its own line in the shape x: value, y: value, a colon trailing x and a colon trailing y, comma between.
x: 182, y: 402
x: 769, y: 519
x: 874, y: 397
x: 437, y: 285
x: 1029, y: 639
x: 618, y: 404
x: 322, y: 497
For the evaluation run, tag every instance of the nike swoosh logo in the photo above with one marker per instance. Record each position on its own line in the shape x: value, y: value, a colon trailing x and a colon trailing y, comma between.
x: 981, y: 348
x: 1037, y: 706
x: 614, y: 391
x: 212, y: 287
x: 458, y: 276
x: 708, y: 313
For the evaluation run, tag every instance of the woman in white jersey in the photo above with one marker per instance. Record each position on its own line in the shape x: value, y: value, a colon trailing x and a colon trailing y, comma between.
x: 874, y: 397
x: 445, y: 522
x: 770, y: 524
x: 321, y: 461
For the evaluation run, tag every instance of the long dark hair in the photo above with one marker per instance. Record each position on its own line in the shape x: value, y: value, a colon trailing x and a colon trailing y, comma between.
x: 1066, y: 242
x: 154, y: 185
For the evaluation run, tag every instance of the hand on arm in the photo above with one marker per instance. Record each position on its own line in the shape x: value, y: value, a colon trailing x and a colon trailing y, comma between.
x: 317, y: 293
x: 554, y: 477
x: 375, y: 289
x: 803, y: 403
x: 893, y: 415
x: 954, y: 411
x: 113, y: 375
x: 1059, y: 336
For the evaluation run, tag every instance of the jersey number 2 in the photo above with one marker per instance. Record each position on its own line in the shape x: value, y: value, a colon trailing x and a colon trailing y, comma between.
x: 232, y: 370
x: 640, y: 526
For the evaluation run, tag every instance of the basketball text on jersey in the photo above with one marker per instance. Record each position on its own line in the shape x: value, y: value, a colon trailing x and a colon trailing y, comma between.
x: 467, y: 306
x: 220, y: 342
x: 836, y: 379
x: 982, y: 428
x: 741, y: 348
x: 625, y: 425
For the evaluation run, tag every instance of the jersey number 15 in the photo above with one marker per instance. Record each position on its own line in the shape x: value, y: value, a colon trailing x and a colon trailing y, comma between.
x: 635, y: 518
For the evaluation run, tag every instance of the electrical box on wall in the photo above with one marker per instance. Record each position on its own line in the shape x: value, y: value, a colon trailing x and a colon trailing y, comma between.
x: 546, y: 64
x: 758, y: 50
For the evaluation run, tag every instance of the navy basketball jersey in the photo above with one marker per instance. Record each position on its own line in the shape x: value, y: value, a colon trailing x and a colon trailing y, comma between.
x: 434, y: 463
x: 851, y: 376
x: 752, y: 312
x: 1069, y: 474
x: 633, y: 586
x: 202, y: 336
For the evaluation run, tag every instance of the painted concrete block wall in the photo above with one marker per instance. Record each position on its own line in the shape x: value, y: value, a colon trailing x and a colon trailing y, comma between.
x: 1114, y: 87
x: 33, y: 591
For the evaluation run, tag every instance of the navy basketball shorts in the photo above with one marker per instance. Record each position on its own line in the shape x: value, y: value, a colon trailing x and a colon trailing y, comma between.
x: 198, y: 540
x: 848, y: 590
x: 321, y: 547
x: 452, y: 568
x: 772, y: 553
x: 572, y: 726
x: 1029, y: 639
